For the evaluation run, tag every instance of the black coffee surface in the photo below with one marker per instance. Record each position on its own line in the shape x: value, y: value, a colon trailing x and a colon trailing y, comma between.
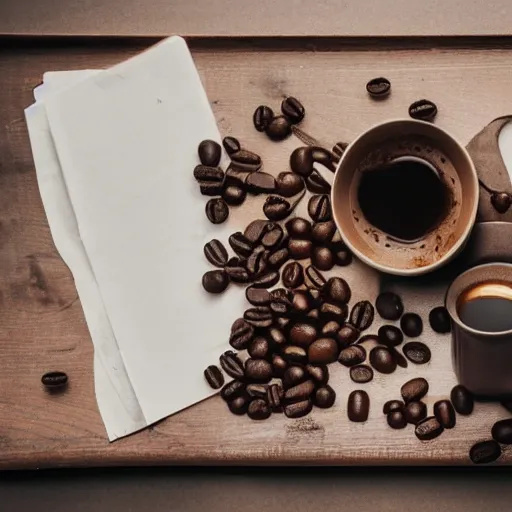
x: 405, y: 198
x: 488, y: 314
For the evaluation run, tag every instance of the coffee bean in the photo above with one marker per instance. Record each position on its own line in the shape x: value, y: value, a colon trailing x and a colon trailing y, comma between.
x: 462, y: 399
x: 361, y: 373
x: 257, y: 261
x: 390, y: 335
x: 295, y: 354
x: 259, y: 348
x: 257, y: 390
x: 239, y: 405
x: 358, y: 406
x: 501, y: 201
x: 276, y: 337
x: 216, y: 253
x: 319, y: 208
x: 314, y: 278
x: 393, y: 405
x: 396, y: 419
x: 342, y: 255
x: 439, y: 320
x: 323, y: 351
x: 352, y: 356
x: 241, y: 334
x: 361, y: 316
x: 347, y: 335
x: 231, y: 145
x: 260, y: 182
x: 209, y: 152
x: 259, y: 316
x: 298, y: 409
x: 301, y: 161
x: 414, y: 390
x: 55, y: 379
x: 302, y: 301
x: 411, y: 324
x: 293, y: 109
x: 267, y: 280
x: 317, y: 184
x: 232, y: 365
x: 293, y: 275
x: 428, y: 429
x: 382, y: 360
x: 206, y: 173
x: 318, y: 373
x: 240, y: 244
x: 262, y: 117
x: 303, y: 334
x: 236, y: 271
x: 278, y: 258
x: 324, y: 157
x: 217, y: 210
x: 279, y: 365
x: 331, y: 328
x: 399, y: 358
x: 323, y: 232
x: 485, y: 452
x: 243, y: 156
x: 215, y: 281
x: 415, y: 412
x: 378, y: 87
x: 281, y: 294
x: 322, y: 258
x: 330, y: 311
x: 338, y: 149
x: 234, y: 195
x: 337, y: 290
x: 389, y: 306
x: 258, y: 370
x: 258, y: 410
x: 294, y: 375
x: 281, y: 307
x: 211, y: 188
x: 299, y: 228
x: 236, y: 176
x: 257, y: 296
x: 279, y: 128
x: 232, y: 390
x: 324, y: 397
x: 278, y: 208
x: 214, y: 377
x: 255, y: 230
x: 502, y: 431
x: 299, y: 392
x: 299, y: 249
x: 316, y: 295
x: 289, y: 184
x: 417, y: 352
x: 274, y: 397
x: 423, y: 109
x: 445, y: 413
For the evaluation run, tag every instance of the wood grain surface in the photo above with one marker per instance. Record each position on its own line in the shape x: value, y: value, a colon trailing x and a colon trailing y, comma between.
x: 41, y: 321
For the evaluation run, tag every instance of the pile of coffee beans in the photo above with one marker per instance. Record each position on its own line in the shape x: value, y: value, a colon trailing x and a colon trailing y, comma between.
x: 279, y: 127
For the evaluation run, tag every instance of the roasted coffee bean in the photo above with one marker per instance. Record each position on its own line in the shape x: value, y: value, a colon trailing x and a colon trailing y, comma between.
x: 239, y: 405
x: 323, y: 351
x: 439, y: 320
x: 289, y: 184
x: 205, y: 173
x: 324, y: 397
x: 415, y: 412
x: 257, y: 390
x: 330, y: 311
x: 232, y: 365
x: 389, y: 306
x: 445, y: 413
x: 273, y: 237
x: 232, y: 390
x: 393, y: 405
x: 281, y: 307
x: 361, y: 316
x: 301, y: 161
x: 417, y: 352
x: 347, y: 335
x: 485, y: 452
x: 337, y: 290
x: 278, y: 258
x: 323, y: 232
x: 54, y: 379
x: 293, y: 109
x: 216, y: 253
x: 279, y: 365
x: 319, y: 208
x: 317, y: 184
x: 236, y: 271
x: 338, y: 149
x: 210, y: 188
x: 322, y: 258
x: 414, y: 390
x: 428, y: 429
x: 390, y: 335
x: 299, y: 392
x: 396, y: 419
x: 313, y: 315
x: 331, y: 328
x: 462, y: 400
x: 217, y: 210
x: 411, y: 324
x: 316, y: 296
x: 262, y: 117
x: 323, y: 156
x: 209, y: 152
x: 259, y: 316
x: 294, y: 375
x: 259, y: 348
x: 314, y: 279
x: 358, y: 406
x: 298, y: 409
x: 242, y: 333
x: 277, y: 208
x: 267, y: 280
x: 299, y: 228
x: 378, y: 87
x: 342, y: 255
x: 302, y: 302
x: 234, y: 195
x: 258, y: 370
x: 243, y: 156
x: 258, y: 409
x: 260, y: 182
x: 215, y: 281
x: 502, y: 431
x: 399, y: 358
x: 361, y: 373
x: 299, y: 249
x: 255, y: 230
x: 423, y: 109
x: 240, y: 244
x: 276, y: 337
x: 257, y: 296
x: 236, y: 176
x: 352, y: 356
x: 295, y: 354
x: 274, y: 397
x: 382, y: 360
x: 257, y: 261
x: 318, y: 373
x: 279, y: 128
x: 231, y: 145
x: 501, y: 201
x: 293, y: 275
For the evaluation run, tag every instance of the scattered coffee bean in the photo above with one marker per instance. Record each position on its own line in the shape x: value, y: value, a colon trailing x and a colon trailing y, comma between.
x: 361, y: 373
x: 317, y: 184
x: 279, y: 365
x: 55, y: 379
x: 411, y: 324
x: 417, y: 352
x: 236, y: 176
x: 293, y: 275
x: 215, y: 281
x: 255, y: 230
x: 232, y: 365
x: 257, y: 390
x: 378, y: 87
x: 322, y: 258
x: 217, y: 210
x: 324, y: 157
x: 240, y: 244
x: 362, y: 315
x: 210, y: 188
x: 301, y: 161
x: 209, y: 153
x: 243, y: 156
x: 302, y: 301
x: 205, y: 173
x: 319, y: 208
x: 236, y: 271
x: 262, y: 117
x: 258, y: 409
x: 414, y: 390
x: 415, y: 412
x: 502, y: 431
x: 338, y: 290
x: 439, y: 320
x: 382, y: 359
x: 234, y: 195
x: 399, y: 358
x: 501, y: 201
x: 257, y: 296
x: 257, y: 261
x: 231, y: 145
x: 358, y: 406
x: 216, y: 253
x: 324, y: 397
x: 278, y: 258
x: 390, y: 335
x: 241, y: 335
x: 396, y: 419
x: 342, y: 255
x: 298, y: 409
x: 303, y: 334
x: 299, y: 392
x: 258, y: 370
x: 331, y: 328
x: 485, y: 452
x: 423, y: 109
x: 389, y: 306
x: 278, y: 208
x: 239, y: 405
x: 428, y: 429
x: 299, y: 228
x: 462, y: 399
x: 232, y: 390
x: 279, y: 128
x: 445, y: 413
x: 323, y: 232
x: 289, y: 184
x: 347, y: 335
x: 314, y: 278
x: 352, y: 355
x: 295, y: 354
x: 259, y: 348
x: 299, y: 249
x: 293, y: 109
x: 267, y: 280
x: 259, y: 316
x: 393, y: 405
x: 319, y: 373
x: 330, y: 311
x: 294, y: 375
x: 260, y: 182
x: 323, y: 351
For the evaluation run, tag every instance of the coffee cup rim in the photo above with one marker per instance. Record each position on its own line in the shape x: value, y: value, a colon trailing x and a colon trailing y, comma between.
x: 453, y: 250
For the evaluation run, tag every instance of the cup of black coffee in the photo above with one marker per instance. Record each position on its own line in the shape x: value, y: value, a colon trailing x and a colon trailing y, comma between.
x: 405, y: 197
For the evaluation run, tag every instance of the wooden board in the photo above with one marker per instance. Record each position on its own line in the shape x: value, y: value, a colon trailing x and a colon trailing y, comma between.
x: 41, y: 322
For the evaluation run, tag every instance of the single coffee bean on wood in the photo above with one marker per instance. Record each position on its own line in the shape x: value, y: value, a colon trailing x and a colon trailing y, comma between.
x: 361, y: 373
x: 215, y: 281
x: 314, y: 278
x: 232, y: 390
x: 231, y: 145
x: 322, y: 233
x: 298, y: 409
x: 439, y: 320
x: 396, y: 419
x: 262, y: 117
x: 242, y: 333
x: 301, y: 161
x: 428, y: 429
x: 216, y: 253
x: 232, y: 365
x: 389, y: 306
x: 293, y: 110
x: 317, y: 184
x: 390, y: 335
x: 502, y: 431
x: 414, y: 389
x: 382, y: 360
x: 324, y: 397
x: 362, y: 315
x: 323, y: 351
x: 260, y: 182
x: 299, y: 249
x: 294, y: 375
x: 214, y: 377
x: 239, y: 405
x: 258, y: 409
x: 424, y: 110
x: 352, y: 355
x: 279, y: 128
x: 56, y: 379
x: 209, y: 152
x: 319, y: 208
x: 501, y: 201
x: 485, y: 452
x: 411, y: 324
x: 319, y: 373
x: 289, y: 184
x: 417, y: 352
x: 358, y: 406
x: 445, y: 413
x: 462, y: 400
x: 259, y: 348
x: 415, y: 412
x: 217, y: 210
x: 299, y: 392
x: 257, y: 296
x: 293, y: 275
x: 258, y: 370
x: 234, y: 195
x: 299, y: 228
x: 322, y: 258
x: 393, y: 405
x: 378, y: 87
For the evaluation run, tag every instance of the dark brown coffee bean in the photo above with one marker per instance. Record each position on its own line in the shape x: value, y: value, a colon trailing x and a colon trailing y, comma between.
x: 260, y: 182
x: 502, y: 431
x: 389, y: 306
x: 289, y: 184
x: 323, y: 232
x: 232, y: 365
x: 501, y: 201
x: 294, y: 375
x: 214, y: 377
x: 445, y: 413
x: 240, y: 244
x: 237, y: 272
x: 411, y: 324
x: 319, y: 208
x: 293, y: 275
x: 337, y: 290
x: 415, y: 412
x: 314, y: 278
x: 279, y: 128
x: 259, y: 348
x: 390, y: 335
x: 423, y: 109
x: 267, y: 280
x: 317, y: 184
x: 396, y: 419
x: 55, y: 379
x: 318, y: 373
x: 234, y: 195
x: 298, y: 409
x: 330, y: 329
x: 342, y: 255
x: 259, y: 316
x: 236, y: 176
x: 399, y: 358
x: 241, y: 335
x: 352, y: 355
x: 393, y: 405
x: 257, y: 296
x: 301, y: 161
x: 338, y: 149
x: 274, y: 397
x: 358, y: 406
x: 324, y: 157
x: 302, y: 302
x: 299, y: 392
x: 295, y: 354
x: 361, y: 373
x: 485, y: 452
x: 209, y: 152
x: 316, y: 295
x: 428, y: 429
x: 293, y: 109
x: 281, y: 307
x: 231, y: 145
x: 414, y: 390
x: 257, y: 390
x: 258, y: 370
x: 276, y: 337
x: 278, y: 258
x: 262, y: 117
x: 258, y: 410
x: 417, y: 352
x: 279, y: 365
x: 216, y: 253
x: 276, y: 208
x: 361, y: 316
x: 322, y: 258
x: 462, y: 399
x: 347, y: 335
x: 215, y: 281
x: 324, y: 397
x: 382, y: 360
x: 378, y: 87
x: 232, y: 390
x: 243, y: 156
x: 210, y: 188
x: 257, y: 261
x: 299, y: 249
x: 217, y: 210
x: 303, y: 334
x: 239, y: 405
x: 272, y: 238
x: 323, y: 351
x: 331, y: 311
x: 205, y: 173
x: 255, y: 230
x: 299, y: 228
x: 439, y: 320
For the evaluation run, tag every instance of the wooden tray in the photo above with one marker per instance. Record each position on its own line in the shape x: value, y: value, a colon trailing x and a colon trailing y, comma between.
x: 41, y: 320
